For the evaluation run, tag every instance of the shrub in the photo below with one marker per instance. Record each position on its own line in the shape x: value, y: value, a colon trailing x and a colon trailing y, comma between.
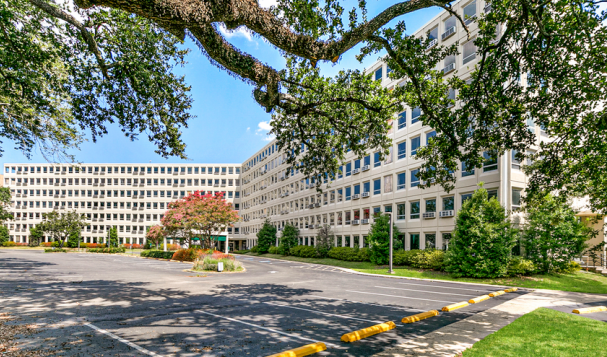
x: 379, y: 239
x: 46, y: 244
x: 266, y: 237
x: 157, y: 254
x: 242, y: 251
x: 254, y: 249
x: 304, y: 251
x: 105, y: 250
x: 350, y: 254
x: 190, y: 254
x: 520, y: 266
x: 140, y: 246
x: 289, y: 239
x: 553, y: 236
x: 570, y: 268
x: 57, y: 250
x: 405, y: 257
x: 4, y: 234
x: 273, y: 250
x: 9, y: 244
x: 428, y: 259
x: 482, y: 240
x: 324, y: 241
x: 210, y: 264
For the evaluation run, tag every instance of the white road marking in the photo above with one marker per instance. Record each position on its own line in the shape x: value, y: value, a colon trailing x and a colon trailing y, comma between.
x: 128, y: 343
x: 366, y: 303
x: 402, y: 297
x: 264, y: 261
x: 448, y: 287
x: 422, y: 291
x: 266, y: 329
x: 326, y: 313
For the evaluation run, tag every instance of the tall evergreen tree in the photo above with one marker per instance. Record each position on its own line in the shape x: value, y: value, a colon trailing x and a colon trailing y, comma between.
x: 324, y: 241
x: 289, y: 239
x: 266, y: 237
x: 379, y: 239
x: 4, y: 234
x: 36, y: 235
x: 482, y: 240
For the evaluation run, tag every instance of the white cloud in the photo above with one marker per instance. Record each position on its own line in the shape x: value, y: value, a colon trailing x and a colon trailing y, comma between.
x: 239, y: 32
x: 249, y: 129
x: 263, y: 128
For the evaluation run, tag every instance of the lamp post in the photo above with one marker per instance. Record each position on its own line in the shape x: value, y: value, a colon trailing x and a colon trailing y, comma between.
x: 390, y: 271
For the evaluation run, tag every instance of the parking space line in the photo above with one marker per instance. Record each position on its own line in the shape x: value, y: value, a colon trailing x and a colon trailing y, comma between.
x: 367, y: 303
x: 445, y: 287
x: 325, y: 313
x: 120, y: 339
x: 402, y: 297
x: 423, y: 291
x: 264, y: 328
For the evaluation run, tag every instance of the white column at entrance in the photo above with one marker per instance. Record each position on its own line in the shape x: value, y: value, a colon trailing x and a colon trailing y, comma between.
x: 164, y: 242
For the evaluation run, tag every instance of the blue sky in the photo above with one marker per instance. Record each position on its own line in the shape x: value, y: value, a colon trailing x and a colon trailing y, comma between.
x: 229, y: 126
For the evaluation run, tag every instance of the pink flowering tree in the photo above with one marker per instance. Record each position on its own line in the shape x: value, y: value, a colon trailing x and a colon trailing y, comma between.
x: 155, y: 234
x: 198, y: 215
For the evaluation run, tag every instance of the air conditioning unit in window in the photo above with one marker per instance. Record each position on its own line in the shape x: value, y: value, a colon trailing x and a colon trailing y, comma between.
x: 282, y: 178
x: 311, y: 206
x: 355, y: 196
x: 448, y: 33
x: 449, y: 68
x: 364, y: 221
x: 317, y: 204
x: 470, y: 19
x: 356, y: 221
x: 366, y: 194
x: 286, y: 194
x: 427, y: 215
x: 432, y: 43
x: 366, y: 167
x: 448, y: 213
x: 355, y: 171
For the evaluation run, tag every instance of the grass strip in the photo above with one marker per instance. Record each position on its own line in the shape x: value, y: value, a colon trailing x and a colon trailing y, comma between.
x: 545, y: 332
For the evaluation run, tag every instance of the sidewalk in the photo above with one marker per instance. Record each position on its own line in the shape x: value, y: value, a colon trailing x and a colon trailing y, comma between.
x: 451, y: 340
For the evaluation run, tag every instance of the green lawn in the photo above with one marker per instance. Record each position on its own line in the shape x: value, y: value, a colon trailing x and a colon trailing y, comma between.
x: 577, y: 282
x: 545, y: 332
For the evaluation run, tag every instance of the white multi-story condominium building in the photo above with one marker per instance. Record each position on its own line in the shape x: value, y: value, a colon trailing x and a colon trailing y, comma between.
x: 130, y: 197
x: 425, y: 217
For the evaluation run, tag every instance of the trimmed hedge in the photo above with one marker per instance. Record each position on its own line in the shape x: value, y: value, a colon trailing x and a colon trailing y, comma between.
x: 254, y: 249
x: 350, y: 254
x: 50, y: 250
x: 157, y: 254
x: 304, y: 251
x: 422, y: 259
x: 273, y: 250
x: 242, y: 251
x: 106, y: 250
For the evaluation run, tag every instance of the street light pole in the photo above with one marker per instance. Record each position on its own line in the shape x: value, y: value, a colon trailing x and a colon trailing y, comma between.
x: 390, y: 271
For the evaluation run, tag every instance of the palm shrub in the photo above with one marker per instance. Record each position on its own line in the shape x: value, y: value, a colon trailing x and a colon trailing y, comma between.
x: 289, y: 239
x: 266, y: 237
x: 379, y: 239
x: 553, y: 235
x: 482, y: 240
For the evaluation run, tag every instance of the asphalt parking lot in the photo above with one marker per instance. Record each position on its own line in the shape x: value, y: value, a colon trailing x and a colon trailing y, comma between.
x: 94, y: 305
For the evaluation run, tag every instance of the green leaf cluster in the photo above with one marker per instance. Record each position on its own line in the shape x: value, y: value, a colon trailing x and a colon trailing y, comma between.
x: 266, y: 238
x: 289, y: 239
x: 379, y: 239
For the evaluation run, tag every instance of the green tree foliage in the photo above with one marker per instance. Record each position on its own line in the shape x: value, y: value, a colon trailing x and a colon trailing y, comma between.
x: 113, y: 237
x: 266, y: 237
x: 60, y: 225
x: 289, y: 239
x: 325, y: 240
x: 4, y: 234
x: 74, y: 238
x: 36, y: 235
x: 5, y: 201
x: 553, y: 235
x: 482, y: 240
x: 379, y: 239
x: 69, y: 72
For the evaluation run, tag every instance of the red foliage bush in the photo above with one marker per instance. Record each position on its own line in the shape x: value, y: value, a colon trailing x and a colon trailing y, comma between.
x: 133, y: 246
x: 46, y: 244
x: 188, y: 255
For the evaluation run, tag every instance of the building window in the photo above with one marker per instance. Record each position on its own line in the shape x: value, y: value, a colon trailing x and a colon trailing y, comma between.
x: 379, y: 73
x: 377, y: 186
x: 402, y: 150
x: 516, y: 199
x: 491, y: 194
x: 400, y: 211
x: 469, y: 51
x: 348, y: 169
x: 414, y: 178
x: 415, y: 142
x: 414, y: 210
x: 415, y: 114
x: 429, y: 136
x: 402, y: 120
x: 357, y: 189
x: 446, y: 239
x: 401, y: 181
x: 431, y: 205
x: 376, y: 159
x: 448, y: 203
x: 430, y: 241
x: 470, y: 12
x: 388, y: 208
x: 348, y: 193
x: 490, y: 163
x: 467, y: 171
x: 367, y: 187
x: 414, y: 241
x: 367, y: 160
x: 466, y: 196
